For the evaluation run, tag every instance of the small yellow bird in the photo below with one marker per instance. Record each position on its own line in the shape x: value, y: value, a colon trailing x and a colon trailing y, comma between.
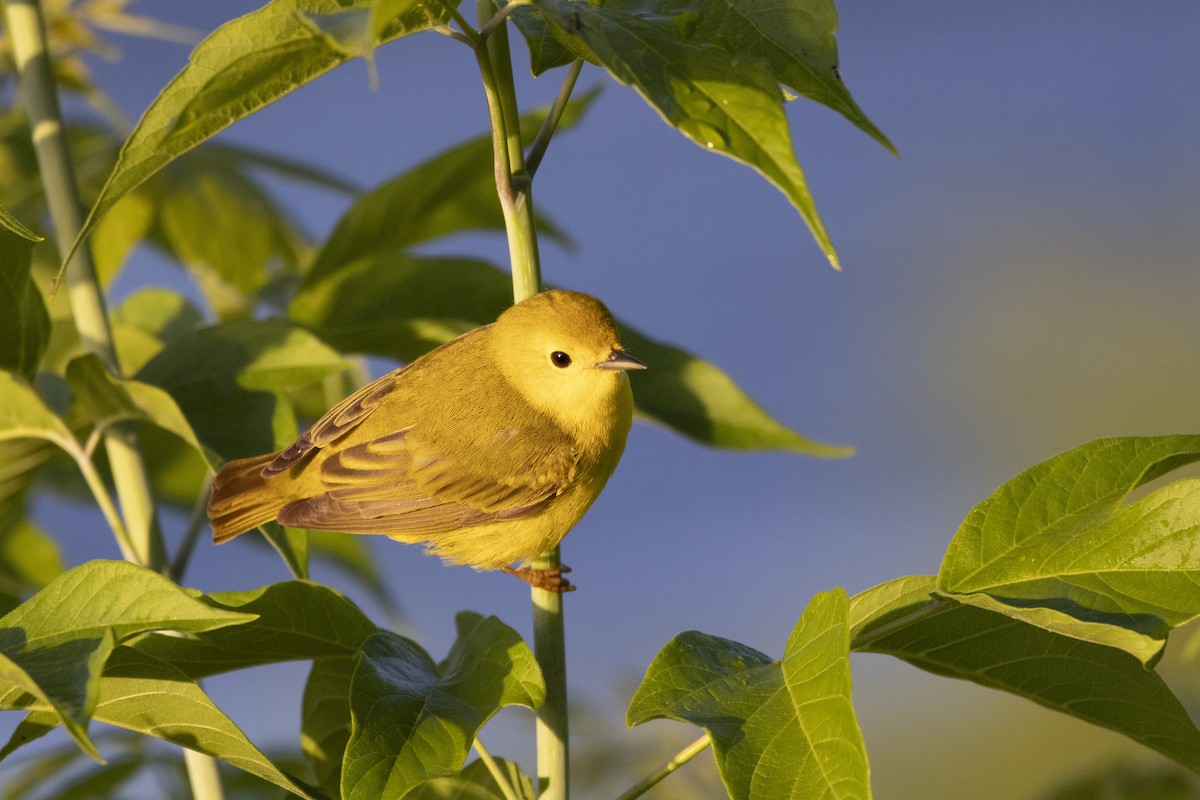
x: 488, y: 449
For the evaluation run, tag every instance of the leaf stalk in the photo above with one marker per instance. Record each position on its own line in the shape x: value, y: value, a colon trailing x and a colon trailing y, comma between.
x: 27, y: 30
x: 682, y: 757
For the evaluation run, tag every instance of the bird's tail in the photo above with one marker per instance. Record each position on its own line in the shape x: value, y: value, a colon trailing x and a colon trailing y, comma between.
x: 239, y: 502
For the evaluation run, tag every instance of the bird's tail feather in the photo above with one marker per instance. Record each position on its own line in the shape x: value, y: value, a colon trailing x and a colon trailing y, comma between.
x: 238, y: 503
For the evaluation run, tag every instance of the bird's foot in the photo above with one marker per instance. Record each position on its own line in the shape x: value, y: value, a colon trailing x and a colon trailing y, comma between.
x: 551, y: 580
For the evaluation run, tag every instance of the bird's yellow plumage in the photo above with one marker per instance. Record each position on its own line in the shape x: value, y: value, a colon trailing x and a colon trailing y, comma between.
x: 487, y: 449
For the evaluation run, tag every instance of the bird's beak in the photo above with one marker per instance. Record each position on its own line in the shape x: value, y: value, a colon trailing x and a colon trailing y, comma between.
x: 619, y: 359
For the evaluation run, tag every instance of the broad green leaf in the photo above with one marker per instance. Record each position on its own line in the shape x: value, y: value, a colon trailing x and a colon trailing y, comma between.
x: 293, y: 620
x: 452, y: 192
x: 24, y: 323
x: 147, y: 320
x: 325, y: 719
x: 796, y: 41
x: 476, y: 782
x: 413, y: 720
x: 122, y: 228
x: 780, y: 729
x: 1100, y: 685
x: 1129, y: 781
x: 146, y: 695
x: 100, y: 400
x: 23, y: 415
x: 415, y: 304
x: 1059, y: 547
x: 545, y: 50
x: 723, y: 102
x: 241, y: 67
x: 55, y: 645
x: 225, y: 229
x: 227, y: 380
x: 63, y: 676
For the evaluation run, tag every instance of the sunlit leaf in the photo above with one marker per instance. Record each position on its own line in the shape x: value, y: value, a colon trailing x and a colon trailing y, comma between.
x: 780, y: 729
x: 415, y: 304
x: 23, y: 415
x: 294, y: 620
x: 55, y: 645
x: 413, y: 720
x: 241, y: 67
x: 796, y: 41
x: 227, y: 380
x: 476, y: 782
x: 1059, y: 547
x: 452, y: 192
x: 99, y: 399
x: 723, y: 102
x: 1100, y: 685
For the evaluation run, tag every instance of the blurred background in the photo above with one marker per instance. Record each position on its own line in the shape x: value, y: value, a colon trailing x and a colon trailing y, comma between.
x: 1022, y: 279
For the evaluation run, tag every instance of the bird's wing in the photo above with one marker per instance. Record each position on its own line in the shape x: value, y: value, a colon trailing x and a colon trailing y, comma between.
x: 398, y: 483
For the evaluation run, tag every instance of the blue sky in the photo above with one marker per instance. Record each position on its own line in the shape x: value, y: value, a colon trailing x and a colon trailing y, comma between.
x: 1020, y: 280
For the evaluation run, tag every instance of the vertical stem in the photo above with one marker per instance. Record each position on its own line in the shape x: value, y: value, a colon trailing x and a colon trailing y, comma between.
x: 514, y: 187
x: 27, y: 32
x: 142, y: 542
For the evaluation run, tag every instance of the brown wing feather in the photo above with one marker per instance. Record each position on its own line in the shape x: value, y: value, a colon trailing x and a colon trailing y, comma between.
x: 394, y: 484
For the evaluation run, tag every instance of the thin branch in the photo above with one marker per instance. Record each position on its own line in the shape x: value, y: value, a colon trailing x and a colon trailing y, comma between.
x: 682, y: 757
x: 498, y: 775
x: 196, y: 521
x: 500, y: 16
x: 538, y: 149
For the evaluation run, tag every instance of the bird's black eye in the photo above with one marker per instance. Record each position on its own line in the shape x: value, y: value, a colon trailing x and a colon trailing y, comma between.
x: 560, y: 359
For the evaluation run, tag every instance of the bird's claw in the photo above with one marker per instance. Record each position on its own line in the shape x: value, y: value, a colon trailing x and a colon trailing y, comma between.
x: 551, y: 580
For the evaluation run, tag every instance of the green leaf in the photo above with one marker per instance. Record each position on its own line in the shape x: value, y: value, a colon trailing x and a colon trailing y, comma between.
x: 100, y: 400
x: 325, y: 719
x: 293, y: 620
x: 24, y: 323
x: 55, y: 645
x: 796, y: 41
x: 1100, y: 685
x: 454, y: 191
x: 128, y: 222
x: 476, y: 782
x: 545, y: 50
x: 142, y: 694
x: 241, y: 67
x: 723, y: 102
x: 147, y: 320
x: 416, y: 304
x: 13, y: 225
x: 780, y: 729
x: 63, y: 676
x: 413, y: 720
x: 353, y: 556
x: 1059, y: 547
x: 23, y: 415
x: 227, y: 378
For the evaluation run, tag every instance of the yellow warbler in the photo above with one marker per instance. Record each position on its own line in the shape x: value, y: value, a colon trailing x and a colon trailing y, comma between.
x: 488, y: 449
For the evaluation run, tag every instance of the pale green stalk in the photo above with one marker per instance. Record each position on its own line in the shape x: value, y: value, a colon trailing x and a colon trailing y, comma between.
x: 138, y: 534
x: 682, y: 757
x: 497, y: 774
x: 27, y: 33
x: 514, y: 187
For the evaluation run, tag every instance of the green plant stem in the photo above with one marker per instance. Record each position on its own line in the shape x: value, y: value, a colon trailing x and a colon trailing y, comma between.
x: 27, y: 32
x: 497, y: 774
x: 514, y: 188
x: 203, y: 776
x: 538, y: 149
x: 682, y: 757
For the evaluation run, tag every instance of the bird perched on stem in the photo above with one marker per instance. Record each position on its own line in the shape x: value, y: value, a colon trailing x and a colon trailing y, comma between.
x: 488, y: 449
